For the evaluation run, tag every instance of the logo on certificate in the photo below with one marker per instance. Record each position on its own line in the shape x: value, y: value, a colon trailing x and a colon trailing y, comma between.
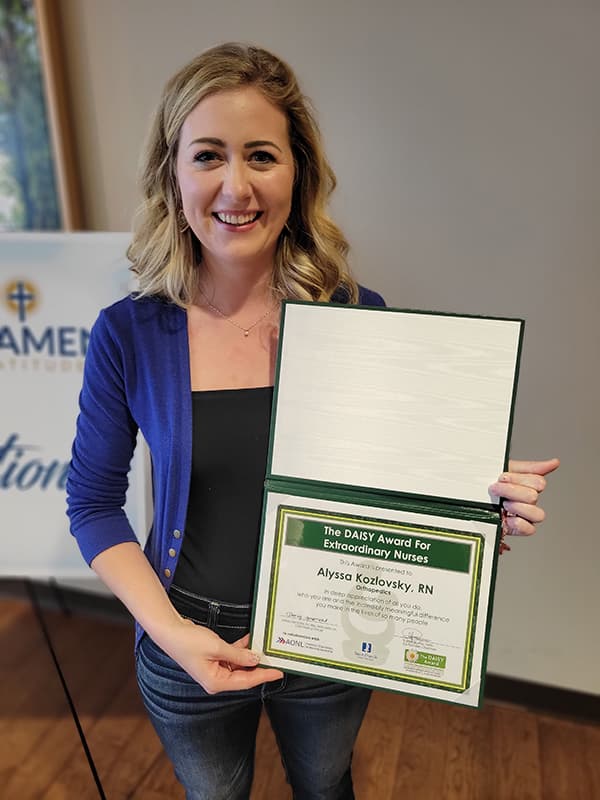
x: 290, y: 642
x: 425, y: 660
x: 367, y: 639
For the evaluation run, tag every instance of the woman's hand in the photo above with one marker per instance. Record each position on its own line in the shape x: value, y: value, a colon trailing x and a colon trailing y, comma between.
x: 216, y: 665
x: 520, y: 488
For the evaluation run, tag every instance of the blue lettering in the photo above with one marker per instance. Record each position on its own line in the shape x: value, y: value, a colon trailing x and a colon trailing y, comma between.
x: 46, y: 340
x: 65, y: 341
x: 84, y: 337
x: 19, y: 474
x: 7, y: 340
x: 49, y: 474
x: 61, y: 481
x: 21, y: 481
x: 5, y: 448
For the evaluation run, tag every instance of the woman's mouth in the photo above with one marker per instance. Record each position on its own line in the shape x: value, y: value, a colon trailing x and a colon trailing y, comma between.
x: 237, y: 220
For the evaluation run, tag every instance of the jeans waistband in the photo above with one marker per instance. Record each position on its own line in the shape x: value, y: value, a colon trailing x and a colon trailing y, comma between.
x: 211, y: 613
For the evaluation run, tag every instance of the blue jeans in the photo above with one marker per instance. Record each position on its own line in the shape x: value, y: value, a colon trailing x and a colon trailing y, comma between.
x: 210, y: 739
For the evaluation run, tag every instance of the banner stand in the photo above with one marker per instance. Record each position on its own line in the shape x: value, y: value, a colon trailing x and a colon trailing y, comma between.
x: 59, y: 596
x: 29, y: 585
x: 47, y: 309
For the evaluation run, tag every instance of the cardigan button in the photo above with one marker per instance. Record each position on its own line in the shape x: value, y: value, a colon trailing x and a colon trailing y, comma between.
x: 177, y: 534
x: 168, y: 573
x: 172, y: 552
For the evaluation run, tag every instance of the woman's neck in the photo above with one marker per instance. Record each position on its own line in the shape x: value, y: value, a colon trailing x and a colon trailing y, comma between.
x: 231, y: 287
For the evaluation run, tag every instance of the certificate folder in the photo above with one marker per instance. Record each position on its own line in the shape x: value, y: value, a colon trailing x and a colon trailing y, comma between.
x: 379, y: 537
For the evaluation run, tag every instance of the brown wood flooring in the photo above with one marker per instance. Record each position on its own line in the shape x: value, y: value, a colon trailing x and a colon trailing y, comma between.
x: 407, y: 747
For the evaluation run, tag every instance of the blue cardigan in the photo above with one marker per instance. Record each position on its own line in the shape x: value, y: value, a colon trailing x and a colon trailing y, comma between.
x: 137, y: 376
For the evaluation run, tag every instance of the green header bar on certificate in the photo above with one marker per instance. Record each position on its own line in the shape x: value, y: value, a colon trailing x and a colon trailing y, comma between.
x: 388, y: 542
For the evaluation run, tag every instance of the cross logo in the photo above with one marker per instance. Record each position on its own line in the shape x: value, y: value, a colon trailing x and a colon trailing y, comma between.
x: 21, y: 297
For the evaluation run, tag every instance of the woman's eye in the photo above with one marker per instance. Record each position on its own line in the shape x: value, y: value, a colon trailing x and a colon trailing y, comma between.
x: 206, y: 157
x: 262, y: 157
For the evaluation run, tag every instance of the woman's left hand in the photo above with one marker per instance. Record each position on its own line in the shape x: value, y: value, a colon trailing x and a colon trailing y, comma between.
x: 520, y: 488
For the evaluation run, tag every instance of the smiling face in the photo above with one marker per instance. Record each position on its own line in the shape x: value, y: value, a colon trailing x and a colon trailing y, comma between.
x: 235, y: 171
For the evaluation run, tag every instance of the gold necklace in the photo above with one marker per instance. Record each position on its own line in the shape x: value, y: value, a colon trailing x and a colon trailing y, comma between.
x: 245, y: 331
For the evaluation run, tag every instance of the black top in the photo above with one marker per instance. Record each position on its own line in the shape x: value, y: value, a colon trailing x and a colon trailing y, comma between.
x: 229, y: 458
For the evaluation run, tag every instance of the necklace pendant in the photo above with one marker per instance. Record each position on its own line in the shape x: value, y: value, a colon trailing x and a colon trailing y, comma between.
x: 246, y: 333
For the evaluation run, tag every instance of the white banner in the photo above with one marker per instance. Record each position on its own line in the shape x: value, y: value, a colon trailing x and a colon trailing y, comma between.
x: 52, y: 287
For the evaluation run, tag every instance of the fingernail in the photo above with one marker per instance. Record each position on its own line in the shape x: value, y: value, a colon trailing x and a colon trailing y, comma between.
x: 254, y: 657
x: 504, y: 478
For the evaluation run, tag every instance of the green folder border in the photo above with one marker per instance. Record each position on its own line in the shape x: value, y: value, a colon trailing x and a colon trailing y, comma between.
x: 385, y: 498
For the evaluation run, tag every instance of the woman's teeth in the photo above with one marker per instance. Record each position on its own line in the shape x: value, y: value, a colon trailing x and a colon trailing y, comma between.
x: 236, y: 219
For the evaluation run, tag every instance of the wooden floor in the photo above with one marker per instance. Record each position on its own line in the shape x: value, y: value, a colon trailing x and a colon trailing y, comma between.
x: 406, y: 749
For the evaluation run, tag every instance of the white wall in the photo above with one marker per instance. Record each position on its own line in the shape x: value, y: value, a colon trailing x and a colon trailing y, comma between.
x: 465, y: 136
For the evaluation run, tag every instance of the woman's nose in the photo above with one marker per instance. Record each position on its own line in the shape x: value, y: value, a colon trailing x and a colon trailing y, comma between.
x: 236, y: 184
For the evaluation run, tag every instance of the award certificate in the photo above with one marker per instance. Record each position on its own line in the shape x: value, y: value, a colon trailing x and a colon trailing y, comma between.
x: 373, y: 585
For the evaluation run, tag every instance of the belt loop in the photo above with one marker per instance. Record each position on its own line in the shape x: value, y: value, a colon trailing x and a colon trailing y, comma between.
x: 213, y: 614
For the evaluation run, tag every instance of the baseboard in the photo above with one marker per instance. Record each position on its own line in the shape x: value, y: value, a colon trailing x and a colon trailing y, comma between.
x: 542, y: 698
x: 54, y: 597
x: 535, y: 696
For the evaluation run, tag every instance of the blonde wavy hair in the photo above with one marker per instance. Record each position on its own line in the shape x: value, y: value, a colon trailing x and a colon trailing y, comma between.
x: 310, y: 261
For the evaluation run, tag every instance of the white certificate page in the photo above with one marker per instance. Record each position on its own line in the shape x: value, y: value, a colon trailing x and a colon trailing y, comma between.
x: 374, y: 596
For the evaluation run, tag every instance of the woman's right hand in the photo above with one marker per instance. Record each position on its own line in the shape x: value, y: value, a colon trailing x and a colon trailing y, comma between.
x: 216, y: 665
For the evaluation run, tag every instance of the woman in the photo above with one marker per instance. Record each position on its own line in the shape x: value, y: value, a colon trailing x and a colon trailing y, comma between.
x: 235, y: 185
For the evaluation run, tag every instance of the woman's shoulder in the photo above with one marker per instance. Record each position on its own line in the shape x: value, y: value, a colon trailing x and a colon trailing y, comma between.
x: 136, y: 310
x: 138, y: 324
x: 366, y: 297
